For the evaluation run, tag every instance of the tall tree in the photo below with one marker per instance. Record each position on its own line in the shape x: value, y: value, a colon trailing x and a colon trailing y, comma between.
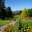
x: 2, y: 9
x: 9, y: 12
x: 24, y: 13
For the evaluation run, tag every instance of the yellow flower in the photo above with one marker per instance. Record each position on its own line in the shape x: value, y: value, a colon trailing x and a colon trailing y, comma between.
x: 28, y: 27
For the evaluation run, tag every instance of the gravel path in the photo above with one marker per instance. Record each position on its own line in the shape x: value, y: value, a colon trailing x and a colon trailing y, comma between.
x: 2, y: 27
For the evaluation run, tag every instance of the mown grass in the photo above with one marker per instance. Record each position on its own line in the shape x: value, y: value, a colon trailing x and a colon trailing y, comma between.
x: 3, y: 22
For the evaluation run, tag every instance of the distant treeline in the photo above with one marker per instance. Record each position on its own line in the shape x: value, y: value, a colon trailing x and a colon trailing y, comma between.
x: 8, y: 13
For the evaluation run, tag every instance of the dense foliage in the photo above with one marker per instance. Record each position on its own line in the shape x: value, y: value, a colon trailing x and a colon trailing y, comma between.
x: 5, y: 12
x: 26, y: 13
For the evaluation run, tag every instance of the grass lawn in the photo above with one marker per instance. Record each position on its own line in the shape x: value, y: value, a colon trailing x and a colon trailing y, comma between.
x: 2, y: 22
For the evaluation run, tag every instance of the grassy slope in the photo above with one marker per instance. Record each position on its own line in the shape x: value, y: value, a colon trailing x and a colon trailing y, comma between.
x: 2, y: 22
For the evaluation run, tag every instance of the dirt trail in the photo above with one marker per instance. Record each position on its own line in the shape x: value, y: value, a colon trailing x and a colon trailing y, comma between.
x: 2, y: 27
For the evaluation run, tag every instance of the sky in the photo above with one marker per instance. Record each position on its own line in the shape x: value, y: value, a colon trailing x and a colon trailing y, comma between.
x: 18, y: 4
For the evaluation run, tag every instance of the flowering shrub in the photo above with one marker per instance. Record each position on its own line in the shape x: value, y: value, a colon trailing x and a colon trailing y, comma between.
x: 9, y: 28
x: 30, y: 30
